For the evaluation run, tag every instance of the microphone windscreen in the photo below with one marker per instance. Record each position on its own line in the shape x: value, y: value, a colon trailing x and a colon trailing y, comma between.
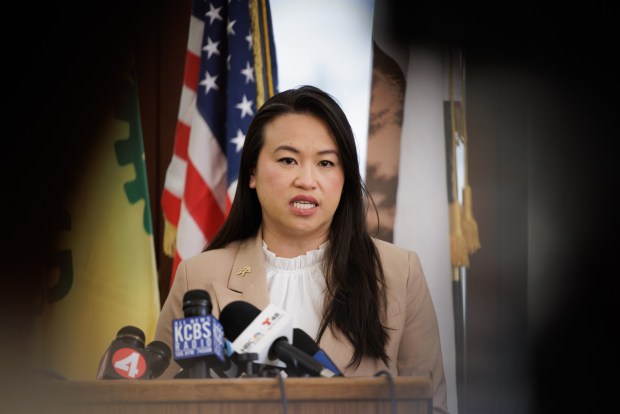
x: 197, y: 302
x: 196, y: 294
x: 303, y: 341
x: 236, y: 316
x: 131, y: 335
x: 161, y: 353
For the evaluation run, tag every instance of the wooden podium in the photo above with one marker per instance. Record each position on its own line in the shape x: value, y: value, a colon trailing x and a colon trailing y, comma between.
x: 412, y: 395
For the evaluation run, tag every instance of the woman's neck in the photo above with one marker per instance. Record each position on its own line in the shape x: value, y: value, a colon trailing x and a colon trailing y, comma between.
x: 289, y: 247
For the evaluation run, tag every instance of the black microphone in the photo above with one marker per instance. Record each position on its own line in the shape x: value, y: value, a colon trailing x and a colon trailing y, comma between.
x: 233, y: 318
x: 268, y: 333
x: 123, y: 359
x: 304, y: 342
x: 158, y: 357
x: 198, y: 338
x: 128, y: 358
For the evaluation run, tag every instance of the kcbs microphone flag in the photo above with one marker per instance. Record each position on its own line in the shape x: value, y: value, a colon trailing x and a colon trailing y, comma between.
x: 104, y: 274
x: 230, y: 70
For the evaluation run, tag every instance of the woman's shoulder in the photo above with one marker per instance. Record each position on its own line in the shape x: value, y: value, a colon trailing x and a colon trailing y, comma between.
x: 401, y: 266
x: 388, y: 248
x: 227, y: 252
x: 393, y: 256
x: 221, y: 259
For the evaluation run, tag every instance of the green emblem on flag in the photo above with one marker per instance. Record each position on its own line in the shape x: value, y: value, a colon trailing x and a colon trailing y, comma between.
x: 130, y: 151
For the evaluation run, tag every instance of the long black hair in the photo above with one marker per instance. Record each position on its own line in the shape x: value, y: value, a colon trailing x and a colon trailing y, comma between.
x: 356, y: 303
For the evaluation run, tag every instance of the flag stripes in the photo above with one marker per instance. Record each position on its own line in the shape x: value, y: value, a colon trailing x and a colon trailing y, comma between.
x: 230, y: 68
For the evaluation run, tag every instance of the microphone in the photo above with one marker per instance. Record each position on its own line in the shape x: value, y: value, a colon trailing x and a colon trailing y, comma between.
x: 269, y: 334
x: 159, y: 355
x: 234, y: 318
x: 304, y: 342
x: 127, y: 357
x: 198, y: 338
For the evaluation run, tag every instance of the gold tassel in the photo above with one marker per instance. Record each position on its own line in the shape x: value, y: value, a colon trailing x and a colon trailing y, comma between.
x: 458, y: 246
x: 170, y: 238
x: 470, y: 227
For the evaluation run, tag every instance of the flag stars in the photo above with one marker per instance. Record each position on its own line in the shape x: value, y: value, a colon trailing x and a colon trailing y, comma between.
x: 213, y: 14
x: 230, y: 30
x: 239, y: 140
x: 245, y: 106
x: 209, y: 83
x: 211, y: 48
x: 248, y: 72
x: 249, y: 39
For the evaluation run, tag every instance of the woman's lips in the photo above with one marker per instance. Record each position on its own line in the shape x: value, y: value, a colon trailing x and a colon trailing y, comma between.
x: 303, y: 205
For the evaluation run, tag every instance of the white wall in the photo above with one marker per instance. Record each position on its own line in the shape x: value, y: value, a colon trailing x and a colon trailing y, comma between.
x: 421, y: 222
x: 327, y: 43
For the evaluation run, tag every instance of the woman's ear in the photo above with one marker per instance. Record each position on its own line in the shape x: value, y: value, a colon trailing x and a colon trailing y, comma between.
x: 252, y: 180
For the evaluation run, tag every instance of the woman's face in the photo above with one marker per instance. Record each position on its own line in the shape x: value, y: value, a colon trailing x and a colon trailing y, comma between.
x: 298, y: 177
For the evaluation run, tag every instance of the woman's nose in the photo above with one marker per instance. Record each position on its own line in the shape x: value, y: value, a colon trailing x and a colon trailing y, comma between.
x: 305, y: 177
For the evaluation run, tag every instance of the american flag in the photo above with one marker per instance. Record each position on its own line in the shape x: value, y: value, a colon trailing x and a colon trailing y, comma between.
x: 230, y: 69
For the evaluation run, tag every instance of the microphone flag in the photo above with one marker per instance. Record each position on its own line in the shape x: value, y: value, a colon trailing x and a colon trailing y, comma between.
x: 270, y: 324
x: 197, y: 337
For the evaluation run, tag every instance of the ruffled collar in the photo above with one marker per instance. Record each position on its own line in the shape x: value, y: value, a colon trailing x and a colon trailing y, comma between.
x: 310, y: 259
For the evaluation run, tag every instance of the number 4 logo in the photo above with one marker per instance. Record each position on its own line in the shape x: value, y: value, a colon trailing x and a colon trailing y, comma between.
x: 129, y: 363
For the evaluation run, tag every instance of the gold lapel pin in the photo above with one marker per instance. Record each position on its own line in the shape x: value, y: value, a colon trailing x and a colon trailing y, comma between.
x: 245, y: 269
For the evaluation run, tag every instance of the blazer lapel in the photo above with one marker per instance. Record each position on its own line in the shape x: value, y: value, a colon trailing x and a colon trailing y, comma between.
x: 247, y: 280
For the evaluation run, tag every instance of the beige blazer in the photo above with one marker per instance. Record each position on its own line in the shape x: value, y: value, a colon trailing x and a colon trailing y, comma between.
x: 413, y: 347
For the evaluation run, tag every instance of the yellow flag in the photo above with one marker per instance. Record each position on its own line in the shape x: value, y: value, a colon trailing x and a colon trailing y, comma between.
x: 105, y: 276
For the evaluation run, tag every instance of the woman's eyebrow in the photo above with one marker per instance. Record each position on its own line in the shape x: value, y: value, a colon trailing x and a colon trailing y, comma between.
x: 296, y: 151
x: 286, y: 148
x: 328, y: 151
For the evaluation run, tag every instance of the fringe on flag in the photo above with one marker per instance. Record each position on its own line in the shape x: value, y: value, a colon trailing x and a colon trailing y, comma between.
x: 170, y: 238
x: 470, y: 227
x: 464, y: 239
x: 458, y: 245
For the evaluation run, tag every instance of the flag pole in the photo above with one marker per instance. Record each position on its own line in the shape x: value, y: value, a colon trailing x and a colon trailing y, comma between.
x: 459, y: 275
x: 459, y: 249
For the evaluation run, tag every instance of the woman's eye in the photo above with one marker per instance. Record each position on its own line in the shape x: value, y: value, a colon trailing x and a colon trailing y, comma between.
x: 326, y: 163
x: 287, y: 161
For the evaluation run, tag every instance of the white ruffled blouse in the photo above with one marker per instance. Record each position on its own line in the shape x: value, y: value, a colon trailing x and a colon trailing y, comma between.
x: 297, y: 285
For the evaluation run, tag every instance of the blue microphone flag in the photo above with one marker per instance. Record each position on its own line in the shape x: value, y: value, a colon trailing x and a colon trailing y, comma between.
x: 198, y: 336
